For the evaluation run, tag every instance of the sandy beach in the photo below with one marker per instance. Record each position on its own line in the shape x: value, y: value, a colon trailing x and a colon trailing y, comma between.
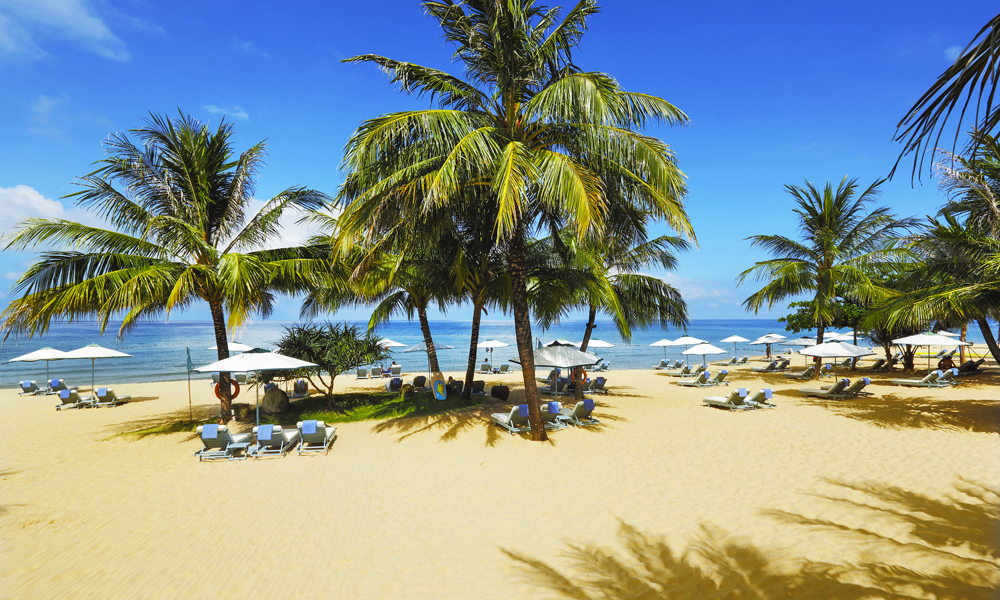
x: 890, y: 496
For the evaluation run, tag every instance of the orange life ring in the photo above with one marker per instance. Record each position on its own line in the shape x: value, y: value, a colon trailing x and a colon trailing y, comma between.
x: 572, y: 378
x: 233, y: 383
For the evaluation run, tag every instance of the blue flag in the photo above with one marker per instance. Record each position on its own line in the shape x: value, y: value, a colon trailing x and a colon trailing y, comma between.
x: 190, y: 364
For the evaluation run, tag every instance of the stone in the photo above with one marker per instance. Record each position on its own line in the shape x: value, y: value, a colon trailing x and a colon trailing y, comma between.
x: 274, y: 401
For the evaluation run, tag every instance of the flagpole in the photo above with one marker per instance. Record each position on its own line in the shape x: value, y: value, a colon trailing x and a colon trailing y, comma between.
x: 190, y: 410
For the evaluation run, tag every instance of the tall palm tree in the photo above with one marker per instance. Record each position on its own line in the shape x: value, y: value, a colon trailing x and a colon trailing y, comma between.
x: 526, y: 125
x: 180, y: 234
x: 977, y: 66
x: 843, y: 244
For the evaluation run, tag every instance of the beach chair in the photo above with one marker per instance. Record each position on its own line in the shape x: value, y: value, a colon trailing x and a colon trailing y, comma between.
x: 744, y: 360
x: 396, y: 370
x: 719, y: 378
x: 857, y: 389
x: 478, y: 387
x: 559, y: 389
x: 456, y: 385
x: 664, y: 364
x: 929, y: 381
x: 106, y: 396
x: 701, y: 380
x: 878, y: 364
x: 419, y: 383
x: 72, y: 399
x: 219, y: 443
x: 806, y: 373
x: 735, y: 401
x: 727, y: 363
x: 762, y: 399
x: 58, y: 385
x: 272, y: 440
x: 515, y: 422
x: 580, y: 414
x: 970, y: 367
x: 550, y: 415
x: 501, y: 369
x: 385, y: 373
x: 835, y: 391
x: 300, y: 389
x: 553, y: 374
x: 362, y: 373
x: 691, y: 371
x: 948, y: 376
x: 30, y: 388
x: 598, y: 385
x: 394, y: 385
x: 315, y: 436
x: 244, y: 378
x: 783, y: 364
x: 770, y: 368
x: 826, y: 370
x: 484, y: 369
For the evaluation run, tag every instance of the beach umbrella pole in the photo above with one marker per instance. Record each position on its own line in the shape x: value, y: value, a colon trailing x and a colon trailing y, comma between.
x: 190, y: 410
x: 92, y: 361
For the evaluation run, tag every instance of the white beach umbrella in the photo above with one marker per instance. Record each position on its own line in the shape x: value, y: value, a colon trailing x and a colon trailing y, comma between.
x: 422, y: 347
x: 946, y: 333
x: 235, y: 347
x: 801, y: 341
x: 93, y: 352
x: 734, y: 339
x: 46, y: 354
x: 687, y: 341
x: 663, y: 343
x: 835, y: 350
x: 561, y: 357
x: 489, y: 345
x: 929, y: 339
x: 387, y: 343
x: 599, y: 344
x: 703, y: 350
x: 767, y: 340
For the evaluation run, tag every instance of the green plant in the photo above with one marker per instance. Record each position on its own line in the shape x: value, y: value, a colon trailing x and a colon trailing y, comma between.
x: 334, y: 348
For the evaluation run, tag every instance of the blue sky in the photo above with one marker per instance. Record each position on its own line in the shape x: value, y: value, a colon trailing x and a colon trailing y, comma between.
x: 777, y: 93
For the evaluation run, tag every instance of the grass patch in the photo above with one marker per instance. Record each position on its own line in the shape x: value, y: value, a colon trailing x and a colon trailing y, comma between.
x: 360, y: 406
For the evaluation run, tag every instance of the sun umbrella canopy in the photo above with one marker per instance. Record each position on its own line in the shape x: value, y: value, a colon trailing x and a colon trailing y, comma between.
x: 802, y: 341
x: 255, y: 361
x: 835, y: 350
x: 387, y: 343
x: 599, y: 344
x: 422, y: 347
x: 94, y: 351
x: 686, y: 341
x: 704, y: 349
x: 235, y: 347
x: 930, y: 339
x: 562, y: 357
x: 734, y: 339
x: 664, y: 343
x: 45, y: 354
x: 492, y: 344
x: 946, y: 333
x: 771, y: 338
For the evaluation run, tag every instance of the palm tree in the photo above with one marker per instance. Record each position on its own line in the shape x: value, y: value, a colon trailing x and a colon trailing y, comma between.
x: 527, y: 126
x: 843, y: 244
x: 180, y: 234
x: 978, y: 66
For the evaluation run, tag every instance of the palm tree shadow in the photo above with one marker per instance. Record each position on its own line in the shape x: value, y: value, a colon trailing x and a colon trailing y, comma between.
x: 958, y: 535
x: 173, y: 422
x: 449, y: 423
x: 926, y: 412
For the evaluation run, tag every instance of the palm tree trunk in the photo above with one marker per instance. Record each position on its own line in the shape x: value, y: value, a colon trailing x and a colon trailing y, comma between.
x: 991, y: 341
x: 578, y: 395
x: 854, y: 363
x: 470, y: 371
x: 219, y: 324
x: 425, y: 328
x: 817, y: 361
x: 961, y: 349
x: 522, y: 329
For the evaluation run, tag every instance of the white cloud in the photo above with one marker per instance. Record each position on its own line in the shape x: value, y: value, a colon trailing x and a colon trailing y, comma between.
x: 25, y: 24
x: 235, y: 111
x: 951, y: 53
x: 248, y: 47
x: 43, y: 112
x: 23, y: 202
x: 12, y: 275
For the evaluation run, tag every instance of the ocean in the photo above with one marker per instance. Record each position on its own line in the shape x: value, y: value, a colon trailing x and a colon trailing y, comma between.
x: 158, y: 349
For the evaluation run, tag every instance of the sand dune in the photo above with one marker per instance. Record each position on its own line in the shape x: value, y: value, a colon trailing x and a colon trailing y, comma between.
x: 822, y: 499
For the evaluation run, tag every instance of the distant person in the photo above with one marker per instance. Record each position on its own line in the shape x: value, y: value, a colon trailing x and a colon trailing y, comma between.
x: 946, y: 363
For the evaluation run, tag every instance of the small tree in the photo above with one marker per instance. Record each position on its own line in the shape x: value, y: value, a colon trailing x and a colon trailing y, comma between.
x: 334, y: 348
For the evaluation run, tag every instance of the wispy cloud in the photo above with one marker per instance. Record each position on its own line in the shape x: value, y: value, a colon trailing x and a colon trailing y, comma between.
x: 44, y: 113
x: 22, y: 202
x: 248, y: 47
x: 235, y: 111
x: 951, y: 53
x: 25, y: 25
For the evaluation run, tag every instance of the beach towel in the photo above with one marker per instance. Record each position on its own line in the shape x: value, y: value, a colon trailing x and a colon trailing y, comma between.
x: 209, y: 432
x: 767, y: 393
x: 54, y: 383
x: 522, y: 410
x: 264, y: 432
x: 588, y: 404
x: 744, y: 391
x: 553, y: 407
x: 64, y: 394
x: 308, y: 427
x: 102, y: 392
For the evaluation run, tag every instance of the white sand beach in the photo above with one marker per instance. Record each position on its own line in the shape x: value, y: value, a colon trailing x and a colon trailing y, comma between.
x: 896, y: 493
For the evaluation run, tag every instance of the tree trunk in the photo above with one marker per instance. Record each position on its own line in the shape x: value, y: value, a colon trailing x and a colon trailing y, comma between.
x: 470, y: 371
x: 961, y: 349
x: 425, y: 328
x: 578, y: 395
x: 854, y: 363
x: 991, y: 341
x: 522, y: 328
x: 219, y: 324
x: 908, y: 354
x: 817, y: 361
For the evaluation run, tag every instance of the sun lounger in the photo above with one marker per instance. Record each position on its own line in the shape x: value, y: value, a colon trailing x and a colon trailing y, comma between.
x: 857, y: 389
x: 947, y: 376
x: 478, y: 387
x: 72, y: 399
x: 929, y: 381
x: 727, y: 363
x: 419, y: 383
x: 559, y: 389
x: 690, y: 371
x: 835, y: 391
x: 106, y: 396
x: 219, y: 443
x: 701, y: 380
x: 515, y: 422
x: 806, y: 373
x: 272, y: 440
x: 826, y: 370
x: 744, y: 360
x: 735, y: 401
x: 456, y: 385
x: 30, y: 388
x: 385, y: 373
x: 598, y: 385
x: 394, y: 385
x: 782, y: 364
x: 762, y: 399
x: 244, y: 378
x: 484, y: 369
x: 315, y: 436
x: 215, y: 377
x: 579, y: 414
x: 300, y: 389
x: 396, y: 370
x: 719, y: 378
x: 877, y: 365
x: 362, y: 373
x: 550, y: 415
x: 58, y: 385
x: 768, y: 369
x: 970, y: 367
x: 501, y: 369
x: 664, y: 364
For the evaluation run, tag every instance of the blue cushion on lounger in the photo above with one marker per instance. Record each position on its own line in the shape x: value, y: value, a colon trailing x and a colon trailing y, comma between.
x: 767, y: 393
x: 309, y: 427
x: 600, y: 381
x: 53, y: 383
x: 743, y: 392
x: 867, y: 380
x: 25, y: 384
x: 553, y: 408
x: 954, y: 371
x: 264, y: 432
x: 64, y: 394
x: 939, y: 373
x: 522, y: 410
x: 210, y: 432
x: 846, y: 381
x: 102, y: 391
x: 588, y: 404
x: 725, y: 372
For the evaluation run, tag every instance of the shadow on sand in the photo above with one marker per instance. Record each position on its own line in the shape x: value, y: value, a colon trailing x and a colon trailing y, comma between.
x: 955, y: 538
x: 926, y: 412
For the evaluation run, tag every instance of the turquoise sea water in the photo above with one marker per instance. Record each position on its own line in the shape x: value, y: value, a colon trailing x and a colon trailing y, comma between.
x: 157, y: 349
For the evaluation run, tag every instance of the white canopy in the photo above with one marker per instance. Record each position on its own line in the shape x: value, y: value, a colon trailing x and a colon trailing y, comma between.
x: 686, y: 341
x: 734, y: 339
x: 771, y: 338
x: 930, y: 339
x: 93, y: 352
x: 562, y: 357
x: 836, y: 350
x: 599, y: 344
x: 703, y: 350
x: 255, y: 361
x: 664, y: 342
x: 492, y: 344
x: 387, y: 343
x: 235, y: 347
x: 802, y: 341
x: 422, y: 347
x: 946, y: 333
x: 45, y: 354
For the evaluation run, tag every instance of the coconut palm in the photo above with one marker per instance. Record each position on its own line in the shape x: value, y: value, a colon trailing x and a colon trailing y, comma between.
x: 526, y: 126
x: 976, y: 71
x: 843, y: 244
x: 180, y: 234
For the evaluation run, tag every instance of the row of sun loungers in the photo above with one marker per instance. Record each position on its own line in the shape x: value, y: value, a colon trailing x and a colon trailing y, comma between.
x: 738, y: 400
x: 264, y: 440
x: 840, y: 390
x: 934, y: 379
x: 705, y: 379
x: 53, y: 386
x: 554, y: 416
x: 394, y: 371
x: 70, y: 398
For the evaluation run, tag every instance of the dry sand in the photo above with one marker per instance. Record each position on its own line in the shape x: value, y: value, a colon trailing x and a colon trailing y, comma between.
x: 891, y: 496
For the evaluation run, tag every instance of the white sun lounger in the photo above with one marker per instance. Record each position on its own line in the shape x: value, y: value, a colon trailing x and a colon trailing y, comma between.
x: 835, y: 391
x: 315, y: 436
x: 515, y: 422
x: 762, y: 399
x: 30, y: 388
x: 105, y: 396
x: 72, y: 399
x: 580, y: 414
x: 550, y: 415
x: 700, y: 381
x: 735, y: 401
x: 219, y: 443
x: 272, y: 440
x: 930, y: 381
